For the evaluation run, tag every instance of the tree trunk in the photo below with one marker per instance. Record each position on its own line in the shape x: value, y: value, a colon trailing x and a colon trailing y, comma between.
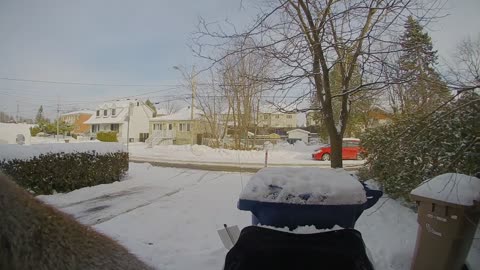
x: 336, y: 153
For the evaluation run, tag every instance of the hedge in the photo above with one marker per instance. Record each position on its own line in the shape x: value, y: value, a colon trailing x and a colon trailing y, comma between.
x: 64, y: 172
x: 110, y: 136
x: 414, y: 148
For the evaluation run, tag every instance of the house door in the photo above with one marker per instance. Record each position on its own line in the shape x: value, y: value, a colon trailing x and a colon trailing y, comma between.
x: 143, y: 137
x: 199, y: 139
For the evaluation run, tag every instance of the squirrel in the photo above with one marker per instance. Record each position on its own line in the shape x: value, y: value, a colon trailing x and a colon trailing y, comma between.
x: 34, y: 235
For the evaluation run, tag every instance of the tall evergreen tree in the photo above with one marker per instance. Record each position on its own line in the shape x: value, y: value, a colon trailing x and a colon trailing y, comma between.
x: 150, y: 104
x: 39, y: 118
x: 423, y: 90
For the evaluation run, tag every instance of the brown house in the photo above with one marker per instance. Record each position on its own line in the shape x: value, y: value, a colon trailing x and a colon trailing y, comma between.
x: 77, y: 120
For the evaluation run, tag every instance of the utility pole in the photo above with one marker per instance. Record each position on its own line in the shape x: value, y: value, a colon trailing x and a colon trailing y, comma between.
x: 18, y: 111
x: 194, y: 86
x: 190, y: 77
x: 128, y: 123
x: 58, y: 116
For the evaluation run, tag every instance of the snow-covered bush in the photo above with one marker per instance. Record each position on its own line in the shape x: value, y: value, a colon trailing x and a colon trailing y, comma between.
x: 49, y: 168
x: 414, y: 148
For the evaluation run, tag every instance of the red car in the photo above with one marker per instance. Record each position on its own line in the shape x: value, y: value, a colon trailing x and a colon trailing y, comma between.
x: 351, y: 150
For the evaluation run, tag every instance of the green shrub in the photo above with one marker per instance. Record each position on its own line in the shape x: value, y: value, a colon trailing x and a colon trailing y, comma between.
x: 110, y: 136
x: 64, y: 172
x: 415, y: 148
x: 35, y: 130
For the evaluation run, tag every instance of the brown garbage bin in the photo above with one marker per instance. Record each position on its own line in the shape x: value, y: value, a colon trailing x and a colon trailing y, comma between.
x: 446, y: 225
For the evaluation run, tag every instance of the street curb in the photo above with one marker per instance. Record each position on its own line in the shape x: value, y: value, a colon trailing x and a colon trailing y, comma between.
x: 228, y: 167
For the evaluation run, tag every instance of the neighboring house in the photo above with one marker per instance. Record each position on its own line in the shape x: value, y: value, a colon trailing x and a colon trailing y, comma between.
x: 271, y: 117
x: 379, y: 117
x: 177, y: 128
x: 128, y: 117
x: 268, y: 117
x: 77, y: 120
x: 298, y: 134
x: 12, y: 133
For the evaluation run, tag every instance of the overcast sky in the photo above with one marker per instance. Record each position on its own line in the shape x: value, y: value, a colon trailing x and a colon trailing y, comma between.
x: 128, y: 42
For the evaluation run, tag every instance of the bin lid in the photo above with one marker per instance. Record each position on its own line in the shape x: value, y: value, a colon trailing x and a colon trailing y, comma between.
x: 316, y: 186
x: 453, y: 188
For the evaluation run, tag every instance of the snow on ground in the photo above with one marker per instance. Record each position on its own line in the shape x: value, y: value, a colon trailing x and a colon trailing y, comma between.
x: 25, y: 152
x: 61, y: 139
x: 280, y: 154
x: 170, y: 217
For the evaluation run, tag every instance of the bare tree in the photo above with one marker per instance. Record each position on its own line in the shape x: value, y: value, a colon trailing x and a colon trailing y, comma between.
x: 306, y: 39
x: 168, y: 107
x: 212, y: 103
x: 464, y: 73
x: 243, y: 84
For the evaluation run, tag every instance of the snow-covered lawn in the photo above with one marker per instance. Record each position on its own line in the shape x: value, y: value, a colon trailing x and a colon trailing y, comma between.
x: 169, y: 217
x: 299, y: 153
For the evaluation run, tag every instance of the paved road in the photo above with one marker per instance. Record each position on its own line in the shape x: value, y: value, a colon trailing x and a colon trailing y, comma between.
x: 225, y: 166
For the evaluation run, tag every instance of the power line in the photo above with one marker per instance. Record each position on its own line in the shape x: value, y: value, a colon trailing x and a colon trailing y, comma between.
x: 86, y: 84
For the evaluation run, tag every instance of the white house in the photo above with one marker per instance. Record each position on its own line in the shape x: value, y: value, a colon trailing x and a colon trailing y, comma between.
x: 178, y: 127
x: 271, y: 117
x: 11, y: 133
x: 298, y: 134
x: 127, y: 117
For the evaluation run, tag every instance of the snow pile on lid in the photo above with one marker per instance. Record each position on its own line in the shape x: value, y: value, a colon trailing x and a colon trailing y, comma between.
x: 304, y: 186
x: 452, y: 188
x: 24, y: 152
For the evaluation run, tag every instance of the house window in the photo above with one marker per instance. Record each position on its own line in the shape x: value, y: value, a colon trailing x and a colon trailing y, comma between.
x: 105, y: 112
x: 114, y: 111
x: 170, y: 126
x: 115, y: 127
x: 277, y: 116
x: 98, y: 112
x: 265, y: 116
x: 184, y: 127
x: 95, y: 128
x: 289, y: 116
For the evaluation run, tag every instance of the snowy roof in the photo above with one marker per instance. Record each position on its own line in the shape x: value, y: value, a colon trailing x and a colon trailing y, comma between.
x: 116, y: 119
x: 182, y: 115
x: 161, y: 111
x: 452, y: 188
x: 304, y: 186
x: 120, y: 103
x: 298, y: 130
x: 79, y: 112
x: 277, y: 108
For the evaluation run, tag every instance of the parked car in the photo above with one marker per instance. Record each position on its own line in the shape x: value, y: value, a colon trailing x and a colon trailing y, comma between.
x: 351, y: 150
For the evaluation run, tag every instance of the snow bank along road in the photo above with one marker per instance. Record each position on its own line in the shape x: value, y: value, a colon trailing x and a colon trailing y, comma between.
x: 169, y: 217
x: 204, y: 157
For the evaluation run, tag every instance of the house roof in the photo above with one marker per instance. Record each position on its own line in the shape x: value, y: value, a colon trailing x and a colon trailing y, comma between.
x: 277, y: 108
x: 117, y: 119
x: 298, y: 130
x: 183, y: 114
x: 79, y: 112
x: 120, y: 103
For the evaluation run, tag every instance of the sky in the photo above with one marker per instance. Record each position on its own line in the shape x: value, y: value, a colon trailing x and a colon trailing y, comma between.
x: 130, y: 45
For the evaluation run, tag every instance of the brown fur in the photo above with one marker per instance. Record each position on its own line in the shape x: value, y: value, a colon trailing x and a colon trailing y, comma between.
x: 34, y: 235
